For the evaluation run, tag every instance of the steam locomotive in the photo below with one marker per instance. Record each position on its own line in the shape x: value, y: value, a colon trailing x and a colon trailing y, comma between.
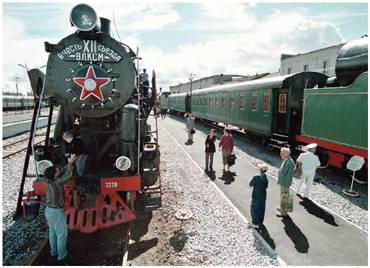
x: 295, y: 109
x: 93, y: 79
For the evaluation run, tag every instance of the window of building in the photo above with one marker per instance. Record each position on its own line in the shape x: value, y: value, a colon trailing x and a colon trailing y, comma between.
x: 217, y: 102
x: 254, y: 102
x: 324, y: 67
x: 241, y: 102
x: 305, y: 68
x: 223, y: 101
x: 205, y: 101
x: 232, y: 103
x: 282, y: 103
x: 210, y: 102
x: 289, y: 70
x: 266, y: 102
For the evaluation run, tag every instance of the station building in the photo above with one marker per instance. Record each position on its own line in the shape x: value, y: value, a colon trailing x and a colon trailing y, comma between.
x: 321, y: 60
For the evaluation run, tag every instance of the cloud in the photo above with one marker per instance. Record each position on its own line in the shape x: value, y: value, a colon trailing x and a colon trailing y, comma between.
x: 234, y: 40
x: 20, y: 49
x: 132, y: 16
x: 245, y: 51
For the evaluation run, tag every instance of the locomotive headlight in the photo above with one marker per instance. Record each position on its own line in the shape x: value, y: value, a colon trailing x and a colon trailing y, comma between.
x: 123, y: 163
x: 84, y: 18
x: 42, y: 165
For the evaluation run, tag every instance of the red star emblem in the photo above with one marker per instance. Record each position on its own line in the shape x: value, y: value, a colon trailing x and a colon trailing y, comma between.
x: 91, y: 84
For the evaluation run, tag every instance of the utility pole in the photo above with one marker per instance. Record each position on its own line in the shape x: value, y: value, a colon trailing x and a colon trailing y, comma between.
x: 16, y: 84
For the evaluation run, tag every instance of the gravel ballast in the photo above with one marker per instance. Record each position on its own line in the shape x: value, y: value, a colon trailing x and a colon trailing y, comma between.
x: 22, y: 238
x: 215, y: 235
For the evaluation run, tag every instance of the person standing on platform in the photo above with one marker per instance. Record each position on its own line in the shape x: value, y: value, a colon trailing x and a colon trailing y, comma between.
x: 307, y: 163
x: 190, y: 125
x: 285, y: 178
x: 227, y: 145
x: 258, y: 205
x: 210, y: 149
x: 54, y: 211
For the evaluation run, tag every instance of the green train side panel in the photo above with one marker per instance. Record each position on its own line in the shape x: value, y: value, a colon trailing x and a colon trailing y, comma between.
x: 259, y: 121
x: 164, y: 101
x: 338, y: 115
x: 177, y: 103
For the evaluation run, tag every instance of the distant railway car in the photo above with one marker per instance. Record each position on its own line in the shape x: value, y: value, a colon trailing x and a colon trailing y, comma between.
x: 11, y: 103
x: 269, y: 107
x: 164, y: 100
x: 177, y: 102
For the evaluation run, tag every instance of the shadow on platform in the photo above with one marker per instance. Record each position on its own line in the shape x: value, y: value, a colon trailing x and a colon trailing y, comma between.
x: 295, y: 234
x: 315, y: 210
x: 266, y: 236
x: 211, y: 174
x: 228, y: 177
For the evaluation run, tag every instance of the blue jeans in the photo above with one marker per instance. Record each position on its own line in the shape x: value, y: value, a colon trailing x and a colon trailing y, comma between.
x: 58, y: 232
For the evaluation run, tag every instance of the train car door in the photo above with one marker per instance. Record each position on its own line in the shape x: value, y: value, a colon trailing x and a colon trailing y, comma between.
x: 282, y: 111
x: 187, y: 104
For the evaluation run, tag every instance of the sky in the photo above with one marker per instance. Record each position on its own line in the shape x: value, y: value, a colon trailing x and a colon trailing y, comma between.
x: 177, y: 39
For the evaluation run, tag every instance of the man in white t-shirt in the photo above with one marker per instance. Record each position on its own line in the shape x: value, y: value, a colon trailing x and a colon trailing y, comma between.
x: 307, y: 163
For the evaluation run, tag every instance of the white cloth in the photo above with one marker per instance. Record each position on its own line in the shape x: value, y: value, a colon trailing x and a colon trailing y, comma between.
x: 309, y: 162
x: 308, y: 178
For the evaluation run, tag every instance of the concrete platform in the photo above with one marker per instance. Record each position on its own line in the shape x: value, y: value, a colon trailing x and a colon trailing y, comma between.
x: 16, y: 124
x: 309, y: 236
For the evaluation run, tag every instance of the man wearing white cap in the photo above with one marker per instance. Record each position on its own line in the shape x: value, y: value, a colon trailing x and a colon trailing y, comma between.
x: 307, y: 163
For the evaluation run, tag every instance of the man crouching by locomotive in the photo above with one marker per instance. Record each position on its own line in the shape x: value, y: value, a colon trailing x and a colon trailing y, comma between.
x: 75, y: 146
x: 54, y: 211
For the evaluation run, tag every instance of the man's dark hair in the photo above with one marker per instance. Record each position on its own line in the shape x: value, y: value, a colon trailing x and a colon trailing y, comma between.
x: 227, y: 130
x: 50, y: 172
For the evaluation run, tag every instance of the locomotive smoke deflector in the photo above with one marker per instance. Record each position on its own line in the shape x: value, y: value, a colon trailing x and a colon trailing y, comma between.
x: 84, y: 18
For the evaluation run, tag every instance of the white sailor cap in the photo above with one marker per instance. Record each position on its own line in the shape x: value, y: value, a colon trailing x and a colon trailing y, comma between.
x: 311, y: 146
x: 262, y: 166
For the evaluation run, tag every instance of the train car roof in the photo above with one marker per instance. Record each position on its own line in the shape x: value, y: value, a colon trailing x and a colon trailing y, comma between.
x: 270, y: 82
x: 16, y: 97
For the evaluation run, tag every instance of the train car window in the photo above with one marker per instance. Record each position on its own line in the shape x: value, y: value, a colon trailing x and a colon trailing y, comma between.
x: 266, y: 102
x: 223, y: 101
x: 282, y: 103
x: 254, y: 102
x: 232, y: 102
x: 210, y: 102
x: 241, y: 102
x: 217, y: 102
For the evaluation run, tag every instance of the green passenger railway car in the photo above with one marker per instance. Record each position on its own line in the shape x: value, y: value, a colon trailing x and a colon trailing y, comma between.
x: 268, y: 107
x: 296, y: 109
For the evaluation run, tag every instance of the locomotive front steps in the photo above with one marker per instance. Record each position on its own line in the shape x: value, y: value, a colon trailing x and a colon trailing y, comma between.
x: 278, y: 141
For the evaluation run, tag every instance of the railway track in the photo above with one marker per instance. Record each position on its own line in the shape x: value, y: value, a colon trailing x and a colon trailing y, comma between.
x: 18, y: 146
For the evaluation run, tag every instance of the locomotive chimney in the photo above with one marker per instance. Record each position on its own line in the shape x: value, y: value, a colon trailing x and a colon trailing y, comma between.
x: 105, y: 25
